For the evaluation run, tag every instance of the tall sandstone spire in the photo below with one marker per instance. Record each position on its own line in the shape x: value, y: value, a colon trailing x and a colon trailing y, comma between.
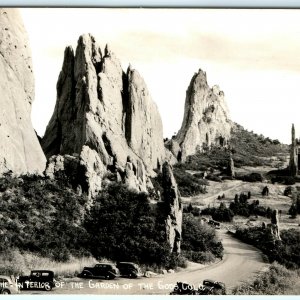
x: 293, y: 166
x: 105, y: 118
x: 20, y: 151
x: 206, y: 119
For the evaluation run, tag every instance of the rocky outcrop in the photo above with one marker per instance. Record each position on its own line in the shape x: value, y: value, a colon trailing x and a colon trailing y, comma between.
x: 108, y: 111
x: 293, y: 165
x: 20, y: 151
x: 230, y: 167
x: 206, y: 119
x: 171, y: 197
x: 274, y: 226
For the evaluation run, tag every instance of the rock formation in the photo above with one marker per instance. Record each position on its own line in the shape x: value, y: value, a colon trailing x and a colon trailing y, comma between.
x: 20, y: 151
x: 206, y: 119
x: 293, y: 166
x: 230, y: 167
x: 171, y: 198
x: 274, y: 226
x: 105, y: 116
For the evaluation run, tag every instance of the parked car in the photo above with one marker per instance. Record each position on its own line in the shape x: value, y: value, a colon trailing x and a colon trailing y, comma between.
x: 8, y: 285
x: 211, y: 287
x: 129, y: 269
x: 38, y: 279
x: 106, y: 270
x: 183, y: 288
x: 214, y: 223
x: 208, y: 287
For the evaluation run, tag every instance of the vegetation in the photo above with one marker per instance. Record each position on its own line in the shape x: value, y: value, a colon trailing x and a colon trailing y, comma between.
x: 42, y: 216
x: 295, y: 207
x: 15, y: 262
x: 285, y: 252
x: 199, y: 241
x: 240, y: 206
x: 123, y: 226
x: 215, y: 158
x: 276, y: 281
x: 188, y: 184
x: 249, y: 149
x: 221, y: 214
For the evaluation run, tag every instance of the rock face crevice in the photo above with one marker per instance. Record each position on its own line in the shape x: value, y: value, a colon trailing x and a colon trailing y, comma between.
x: 205, y: 122
x: 106, y: 113
x: 20, y: 151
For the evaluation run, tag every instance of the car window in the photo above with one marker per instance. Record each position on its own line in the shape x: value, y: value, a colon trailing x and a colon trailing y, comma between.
x: 3, y: 282
x: 45, y: 274
x: 100, y: 266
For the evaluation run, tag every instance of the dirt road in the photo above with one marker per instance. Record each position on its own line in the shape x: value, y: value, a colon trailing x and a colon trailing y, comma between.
x: 241, y: 262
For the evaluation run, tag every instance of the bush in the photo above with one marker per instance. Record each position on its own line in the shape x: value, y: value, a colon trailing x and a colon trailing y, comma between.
x: 287, y: 191
x: 122, y: 226
x: 42, y: 216
x: 199, y: 241
x: 251, y: 149
x: 190, y: 209
x: 188, y: 184
x: 286, y: 251
x: 276, y: 281
x: 252, y: 177
x: 221, y: 214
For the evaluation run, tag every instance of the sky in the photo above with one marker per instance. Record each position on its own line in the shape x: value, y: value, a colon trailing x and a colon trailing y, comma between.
x: 253, y: 55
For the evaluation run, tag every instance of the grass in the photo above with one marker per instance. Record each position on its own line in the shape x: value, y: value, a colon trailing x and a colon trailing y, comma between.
x: 16, y: 263
x: 276, y: 281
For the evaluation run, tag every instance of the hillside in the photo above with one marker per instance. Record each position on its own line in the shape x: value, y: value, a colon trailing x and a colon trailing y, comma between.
x: 248, y: 149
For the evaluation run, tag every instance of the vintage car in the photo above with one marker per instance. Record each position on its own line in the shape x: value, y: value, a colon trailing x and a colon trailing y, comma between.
x: 105, y: 270
x: 212, y: 287
x: 208, y: 287
x: 183, y: 288
x: 129, y: 269
x: 8, y: 285
x: 38, y: 279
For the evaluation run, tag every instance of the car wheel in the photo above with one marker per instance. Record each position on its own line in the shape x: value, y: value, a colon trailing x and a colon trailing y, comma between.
x: 5, y: 292
x: 84, y: 274
x: 48, y: 287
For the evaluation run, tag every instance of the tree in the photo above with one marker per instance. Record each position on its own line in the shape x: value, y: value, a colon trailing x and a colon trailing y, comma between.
x: 293, y: 211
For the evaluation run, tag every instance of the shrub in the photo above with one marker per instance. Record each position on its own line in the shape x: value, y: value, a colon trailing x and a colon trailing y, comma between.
x: 286, y: 251
x: 42, y: 216
x: 198, y: 240
x: 293, y: 211
x: 221, y: 214
x: 252, y: 177
x: 188, y: 184
x: 122, y: 226
x: 276, y: 281
x: 287, y: 191
x: 195, y: 211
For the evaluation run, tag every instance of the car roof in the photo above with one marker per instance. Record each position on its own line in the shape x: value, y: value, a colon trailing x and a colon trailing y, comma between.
x: 103, y: 263
x: 49, y: 271
x: 5, y: 277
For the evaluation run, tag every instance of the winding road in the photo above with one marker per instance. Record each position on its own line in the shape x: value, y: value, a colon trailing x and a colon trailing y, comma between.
x: 241, y: 262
